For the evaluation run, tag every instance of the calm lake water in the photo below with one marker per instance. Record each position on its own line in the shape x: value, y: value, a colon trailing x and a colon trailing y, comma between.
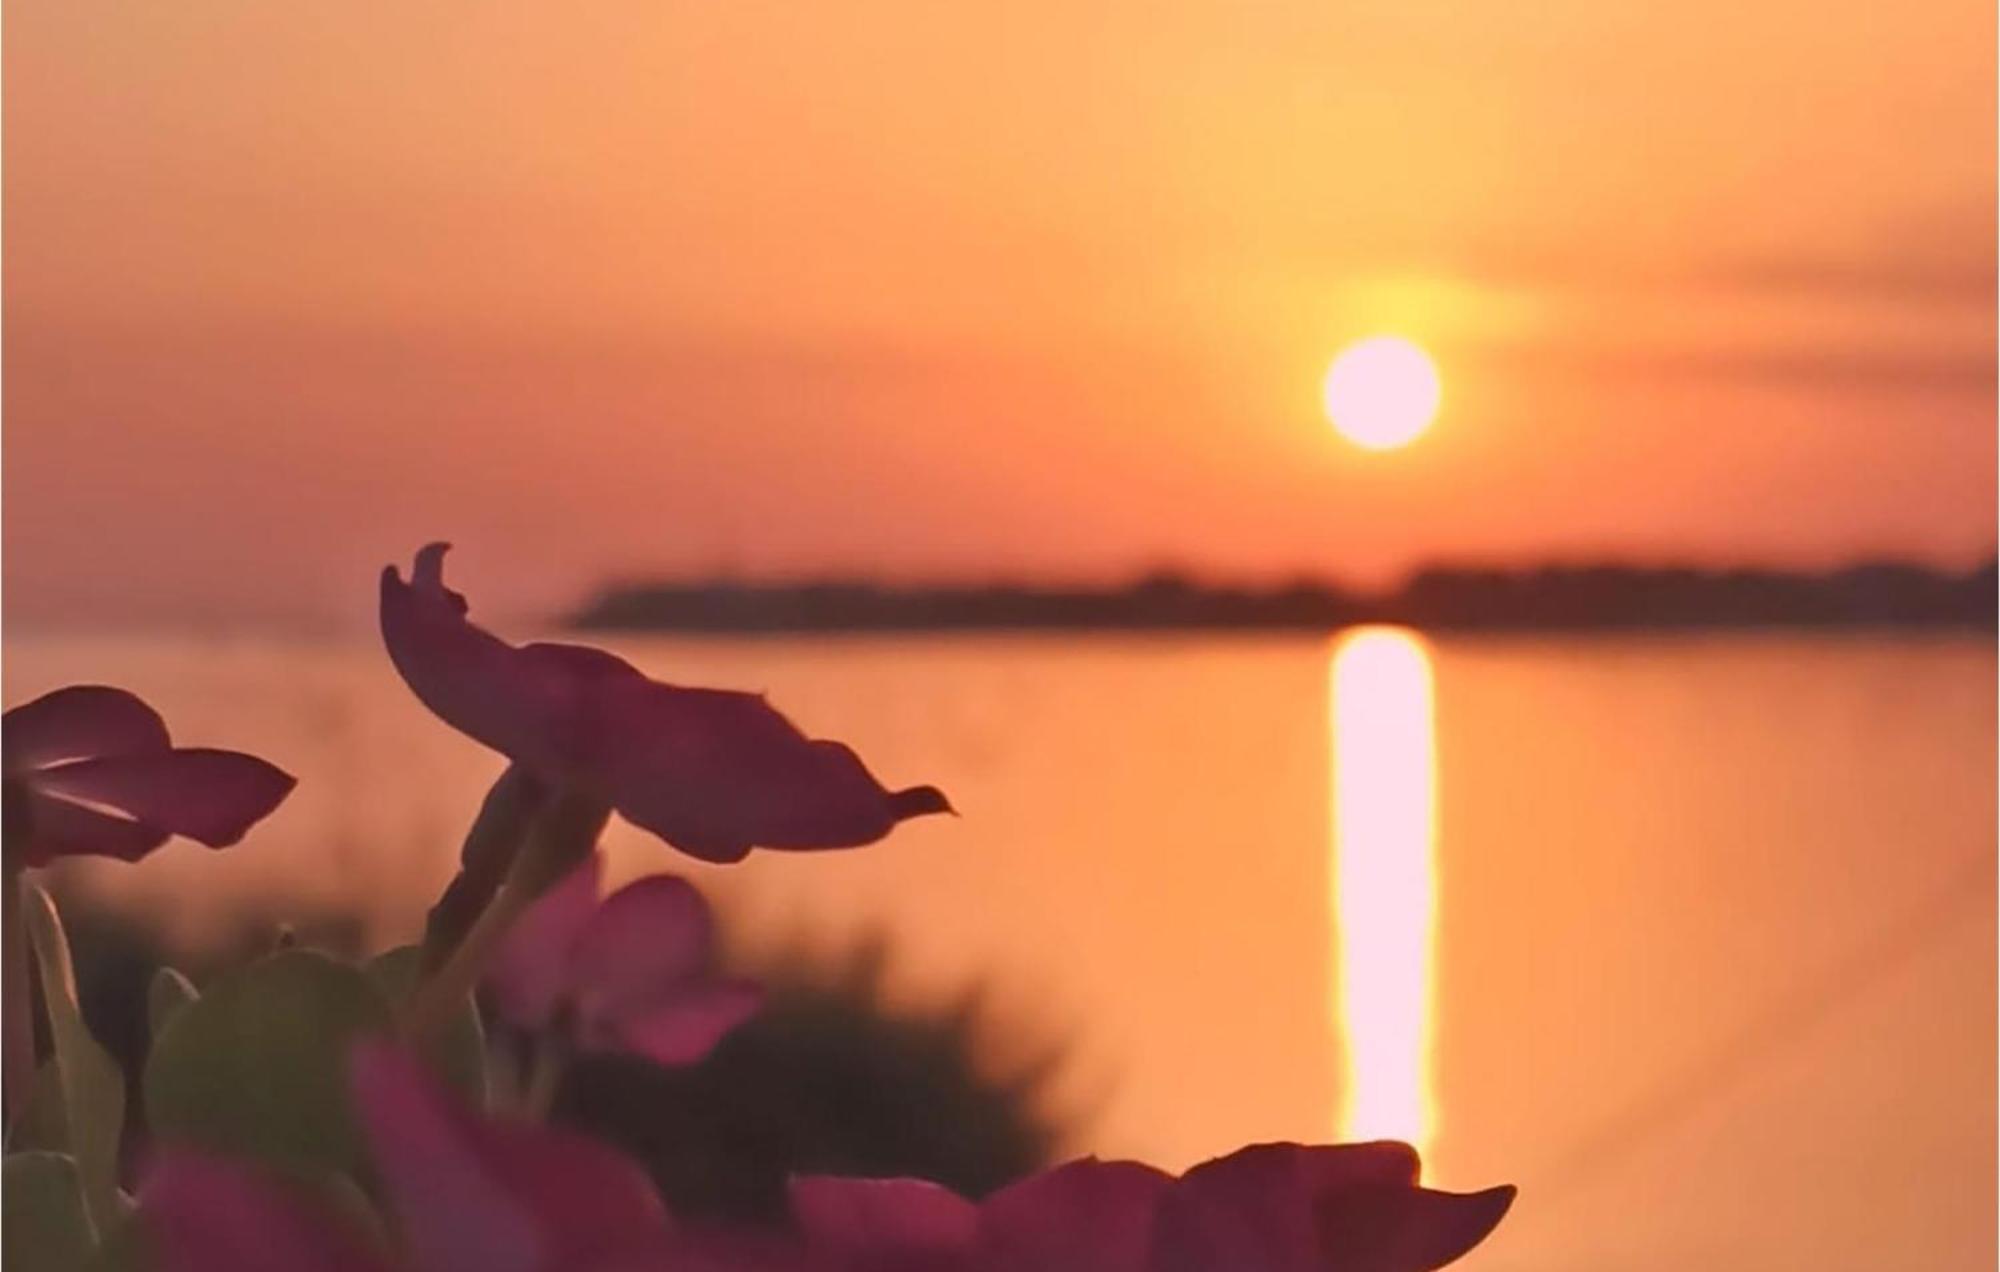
x: 1692, y: 937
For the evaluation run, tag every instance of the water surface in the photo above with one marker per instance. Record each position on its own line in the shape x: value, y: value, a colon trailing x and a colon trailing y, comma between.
x: 1691, y: 937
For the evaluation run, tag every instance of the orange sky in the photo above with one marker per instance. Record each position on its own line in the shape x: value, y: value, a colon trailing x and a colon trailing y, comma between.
x: 926, y: 290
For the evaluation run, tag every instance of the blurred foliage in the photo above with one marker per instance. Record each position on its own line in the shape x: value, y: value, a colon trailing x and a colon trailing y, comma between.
x: 118, y: 958
x: 458, y: 1053
x: 43, y: 1123
x: 168, y: 992
x: 46, y: 1228
x: 91, y: 1084
x: 829, y: 1078
x: 257, y: 1066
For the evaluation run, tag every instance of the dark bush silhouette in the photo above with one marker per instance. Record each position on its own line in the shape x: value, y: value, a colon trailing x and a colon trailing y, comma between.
x: 827, y: 1079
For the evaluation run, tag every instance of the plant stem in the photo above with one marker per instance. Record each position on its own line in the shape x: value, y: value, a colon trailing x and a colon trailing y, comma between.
x: 563, y: 835
x: 545, y: 1077
x: 439, y: 996
x: 505, y: 820
x: 18, y: 1044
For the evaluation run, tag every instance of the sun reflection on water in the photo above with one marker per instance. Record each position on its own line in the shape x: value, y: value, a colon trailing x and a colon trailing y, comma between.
x: 1384, y: 881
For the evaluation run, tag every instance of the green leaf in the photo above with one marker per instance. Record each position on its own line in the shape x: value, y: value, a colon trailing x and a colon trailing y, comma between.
x: 169, y: 992
x: 257, y: 1066
x: 343, y: 1203
x: 42, y: 1125
x: 47, y: 1229
x: 457, y: 1052
x: 93, y: 1087
x: 124, y: 1249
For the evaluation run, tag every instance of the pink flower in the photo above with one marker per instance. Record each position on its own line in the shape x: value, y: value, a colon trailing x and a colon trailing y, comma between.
x: 886, y: 1225
x: 1267, y: 1208
x: 1290, y: 1208
x: 90, y: 770
x: 473, y: 1195
x: 714, y: 773
x: 466, y: 1194
x: 628, y: 973
x: 1084, y: 1216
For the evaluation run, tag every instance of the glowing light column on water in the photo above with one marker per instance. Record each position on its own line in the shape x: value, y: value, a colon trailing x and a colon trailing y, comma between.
x: 1384, y: 881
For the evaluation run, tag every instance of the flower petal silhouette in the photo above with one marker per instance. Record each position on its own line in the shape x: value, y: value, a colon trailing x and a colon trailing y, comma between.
x: 1408, y: 1228
x: 1295, y: 1208
x: 890, y: 1220
x: 1266, y: 1208
x: 79, y: 722
x: 712, y: 772
x: 91, y: 770
x: 1084, y: 1216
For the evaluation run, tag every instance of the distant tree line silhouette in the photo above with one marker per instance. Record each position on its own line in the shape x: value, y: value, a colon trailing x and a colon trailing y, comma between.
x: 1551, y: 596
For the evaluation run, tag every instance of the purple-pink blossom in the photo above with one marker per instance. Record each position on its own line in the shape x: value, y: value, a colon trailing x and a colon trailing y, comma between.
x: 713, y: 772
x: 465, y: 1194
x: 630, y: 972
x: 1266, y: 1208
x: 90, y: 770
x: 472, y: 1194
x: 484, y: 1195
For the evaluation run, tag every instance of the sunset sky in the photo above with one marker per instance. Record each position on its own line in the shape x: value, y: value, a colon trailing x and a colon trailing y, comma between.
x: 927, y: 290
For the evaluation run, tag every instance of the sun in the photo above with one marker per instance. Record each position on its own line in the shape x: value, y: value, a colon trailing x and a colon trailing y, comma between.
x: 1382, y: 392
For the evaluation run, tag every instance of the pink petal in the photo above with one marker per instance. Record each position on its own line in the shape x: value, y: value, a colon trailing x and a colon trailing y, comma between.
x: 1383, y: 1229
x: 202, y: 1214
x: 882, y: 1217
x: 1292, y: 1208
x: 718, y: 1250
x: 1256, y: 1208
x: 1086, y: 1216
x: 646, y: 938
x: 681, y: 1030
x: 456, y: 1215
x: 490, y: 1197
x: 530, y: 973
x: 716, y: 773
x: 473, y: 681
x: 713, y: 773
x: 77, y: 723
x: 587, y: 1197
x: 579, y: 664
x: 58, y: 828
x: 1330, y: 1167
x: 212, y: 796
